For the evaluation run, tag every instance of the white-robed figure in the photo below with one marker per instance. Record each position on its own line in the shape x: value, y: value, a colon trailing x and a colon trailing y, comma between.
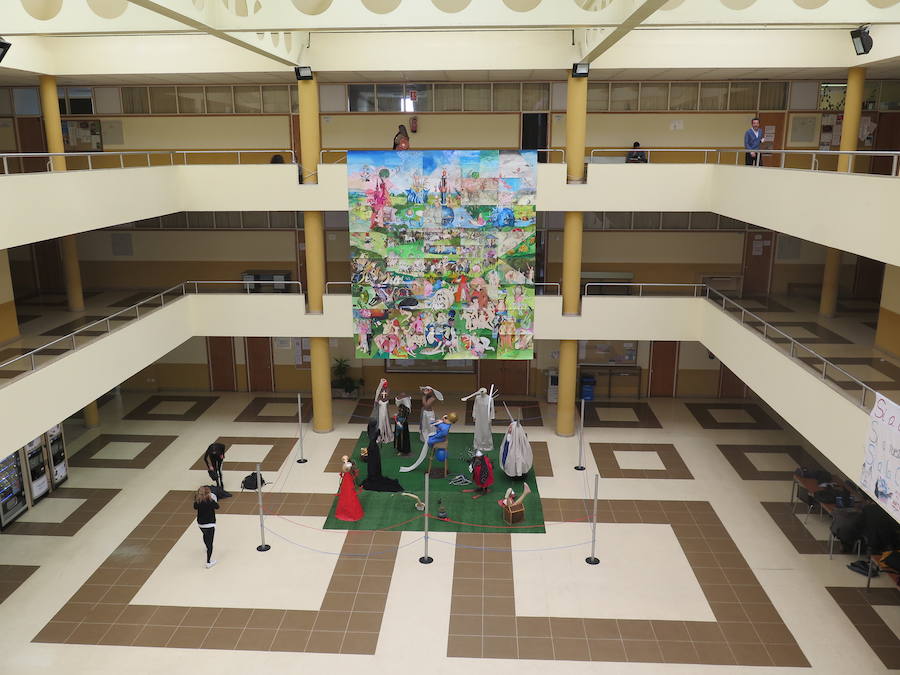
x: 516, y: 457
x: 483, y: 413
x: 385, y: 428
x: 429, y: 396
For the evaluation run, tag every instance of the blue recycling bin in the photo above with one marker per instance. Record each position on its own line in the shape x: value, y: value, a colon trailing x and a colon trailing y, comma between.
x: 587, y: 387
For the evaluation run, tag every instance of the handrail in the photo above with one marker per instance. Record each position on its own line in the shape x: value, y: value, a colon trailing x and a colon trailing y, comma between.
x: 641, y: 286
x: 329, y: 151
x: 559, y: 150
x: 183, y: 287
x: 550, y: 283
x: 331, y: 284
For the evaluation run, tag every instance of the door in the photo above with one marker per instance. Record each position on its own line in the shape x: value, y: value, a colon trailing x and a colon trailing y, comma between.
x: 220, y: 356
x: 887, y: 137
x: 730, y: 385
x: 773, y: 122
x: 534, y: 133
x: 510, y: 377
x: 868, y: 278
x: 31, y: 139
x: 260, y: 371
x: 758, y: 257
x: 48, y: 266
x: 663, y: 368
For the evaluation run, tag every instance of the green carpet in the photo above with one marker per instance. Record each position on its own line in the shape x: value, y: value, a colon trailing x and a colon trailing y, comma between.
x: 386, y: 509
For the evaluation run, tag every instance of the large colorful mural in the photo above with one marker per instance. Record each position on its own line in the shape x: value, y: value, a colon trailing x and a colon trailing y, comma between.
x: 442, y: 248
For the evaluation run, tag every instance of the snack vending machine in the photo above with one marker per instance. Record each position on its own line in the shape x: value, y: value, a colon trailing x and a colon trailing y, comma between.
x: 12, y: 489
x: 57, y: 444
x: 36, y: 459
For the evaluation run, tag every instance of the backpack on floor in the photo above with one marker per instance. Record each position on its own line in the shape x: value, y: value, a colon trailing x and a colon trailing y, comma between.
x: 249, y: 482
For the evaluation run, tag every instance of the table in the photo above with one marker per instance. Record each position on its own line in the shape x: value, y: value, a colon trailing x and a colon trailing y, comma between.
x: 811, y: 486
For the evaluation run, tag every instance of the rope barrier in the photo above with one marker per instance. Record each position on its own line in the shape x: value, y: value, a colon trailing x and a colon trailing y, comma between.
x: 511, y: 550
x: 504, y: 527
x: 390, y: 549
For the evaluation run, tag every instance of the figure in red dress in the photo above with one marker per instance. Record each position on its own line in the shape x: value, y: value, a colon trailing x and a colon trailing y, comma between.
x: 482, y: 474
x: 348, y: 506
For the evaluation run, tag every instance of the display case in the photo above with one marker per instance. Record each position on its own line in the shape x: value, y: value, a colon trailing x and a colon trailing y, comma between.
x: 36, y: 461
x: 13, y: 502
x: 57, y: 444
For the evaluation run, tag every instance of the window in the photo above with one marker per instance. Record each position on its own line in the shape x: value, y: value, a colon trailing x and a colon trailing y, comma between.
x: 623, y: 96
x: 507, y: 96
x: 476, y: 97
x: 890, y: 95
x: 535, y: 96
x: 247, y: 100
x: 163, y: 100
x: 361, y: 97
x: 744, y: 96
x: 26, y: 101
x: 228, y: 220
x: 80, y: 101
x: 713, y: 95
x: 831, y: 96
x: 773, y: 95
x: 332, y: 97
x: 200, y: 220
x: 389, y: 97
x: 683, y: 95
x: 61, y: 99
x: 107, y: 100
x: 275, y: 99
x: 135, y: 101
x: 654, y: 96
x: 219, y: 100
x: 447, y: 97
x: 190, y: 100
x: 871, y: 90
x: 283, y: 220
x: 5, y: 102
x: 256, y: 220
x: 598, y: 97
x: 418, y: 98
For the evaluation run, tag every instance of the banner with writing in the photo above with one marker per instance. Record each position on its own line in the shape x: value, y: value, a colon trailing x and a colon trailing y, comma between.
x: 881, y: 464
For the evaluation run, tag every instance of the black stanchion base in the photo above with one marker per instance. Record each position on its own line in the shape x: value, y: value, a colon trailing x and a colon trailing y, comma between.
x: 592, y: 561
x: 262, y: 548
x: 426, y: 560
x: 302, y: 460
x: 579, y: 468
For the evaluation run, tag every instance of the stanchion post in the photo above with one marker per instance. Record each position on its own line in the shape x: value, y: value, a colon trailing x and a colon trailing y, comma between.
x: 426, y: 559
x: 301, y: 459
x: 580, y: 466
x: 263, y: 546
x: 592, y: 559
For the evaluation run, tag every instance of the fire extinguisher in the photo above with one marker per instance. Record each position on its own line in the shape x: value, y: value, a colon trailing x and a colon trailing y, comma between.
x: 413, y: 124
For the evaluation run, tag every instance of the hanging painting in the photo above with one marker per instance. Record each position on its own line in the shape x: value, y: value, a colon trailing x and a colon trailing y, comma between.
x: 442, y: 247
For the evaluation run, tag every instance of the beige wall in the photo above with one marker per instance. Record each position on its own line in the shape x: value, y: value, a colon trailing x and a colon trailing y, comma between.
x: 799, y: 265
x: 887, y: 336
x: 202, y: 132
x: 436, y: 130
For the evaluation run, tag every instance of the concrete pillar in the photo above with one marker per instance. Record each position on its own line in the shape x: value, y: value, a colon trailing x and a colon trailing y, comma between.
x: 91, y: 414
x: 9, y: 322
x: 887, y: 334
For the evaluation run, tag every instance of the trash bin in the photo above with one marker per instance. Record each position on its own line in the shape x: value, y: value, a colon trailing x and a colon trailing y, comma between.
x: 587, y: 387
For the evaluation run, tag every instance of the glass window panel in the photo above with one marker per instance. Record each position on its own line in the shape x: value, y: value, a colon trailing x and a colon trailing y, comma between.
x: 675, y: 220
x: 713, y: 95
x: 275, y: 99
x: 624, y: 96
x: 683, y: 95
x: 163, y: 100
x: 726, y: 223
x: 617, y: 220
x: 704, y: 220
x: 831, y: 96
x: 247, y: 100
x: 646, y: 220
x: 536, y: 96
x: 257, y: 220
x: 135, y: 101
x: 598, y: 96
x: 80, y: 101
x: 390, y: 97
x: 424, y: 101
x: 447, y: 97
x: 295, y: 100
x: 507, y: 96
x: 200, y: 220
x: 107, y: 100
x: 61, y: 99
x: 890, y: 95
x: 228, y: 220
x: 362, y: 97
x: 147, y: 224
x: 5, y: 102
x: 190, y: 100
x: 773, y: 95
x: 744, y: 96
x: 870, y: 95
x: 26, y: 101
x: 174, y: 221
x: 283, y: 220
x: 332, y: 98
x: 476, y: 97
x: 219, y: 100
x: 654, y: 96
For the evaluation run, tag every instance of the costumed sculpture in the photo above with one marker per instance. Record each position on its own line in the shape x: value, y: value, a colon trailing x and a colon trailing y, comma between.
x: 482, y: 470
x: 375, y: 481
x: 483, y: 413
x: 348, y: 506
x: 429, y: 396
x: 516, y: 457
x: 441, y: 433
x: 385, y: 433
x: 401, y: 425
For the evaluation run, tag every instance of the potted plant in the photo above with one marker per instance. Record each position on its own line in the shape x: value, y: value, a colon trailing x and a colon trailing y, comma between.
x: 342, y: 385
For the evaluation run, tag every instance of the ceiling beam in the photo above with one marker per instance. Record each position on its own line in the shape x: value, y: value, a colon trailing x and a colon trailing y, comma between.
x: 637, y: 17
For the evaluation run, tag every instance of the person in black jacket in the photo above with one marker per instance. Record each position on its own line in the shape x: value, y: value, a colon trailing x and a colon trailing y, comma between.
x: 205, y: 504
x: 214, y: 458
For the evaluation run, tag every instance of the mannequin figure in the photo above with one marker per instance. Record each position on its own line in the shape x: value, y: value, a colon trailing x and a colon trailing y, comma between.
x: 348, y: 506
x: 385, y: 433
x: 482, y: 474
x: 510, y: 498
x: 516, y: 457
x: 483, y: 413
x: 401, y: 425
x: 375, y: 481
x: 429, y: 396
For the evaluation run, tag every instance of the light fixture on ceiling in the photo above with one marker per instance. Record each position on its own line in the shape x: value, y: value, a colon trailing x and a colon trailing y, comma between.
x: 303, y: 72
x: 4, y: 47
x: 862, y: 41
x: 581, y: 69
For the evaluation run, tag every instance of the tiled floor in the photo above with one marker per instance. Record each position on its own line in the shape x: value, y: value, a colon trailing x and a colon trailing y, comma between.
x: 275, y: 409
x: 620, y: 414
x: 171, y: 408
x: 273, y: 452
x: 695, y: 575
x: 138, y: 451
x: 13, y: 576
x: 742, y: 458
x: 717, y: 415
x: 90, y: 502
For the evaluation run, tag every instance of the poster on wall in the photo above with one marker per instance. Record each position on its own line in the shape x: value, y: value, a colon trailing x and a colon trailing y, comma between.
x: 442, y: 247
x: 881, y: 461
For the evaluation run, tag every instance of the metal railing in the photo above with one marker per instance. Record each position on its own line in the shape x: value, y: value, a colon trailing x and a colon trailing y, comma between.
x: 343, y: 153
x: 717, y: 154
x: 557, y: 287
x: 696, y: 289
x: 135, y: 311
x: 331, y: 286
x: 137, y: 159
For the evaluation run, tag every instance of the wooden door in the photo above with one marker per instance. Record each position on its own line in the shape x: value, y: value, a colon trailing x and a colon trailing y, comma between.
x: 730, y: 385
x: 510, y: 377
x: 758, y: 257
x: 220, y: 356
x: 31, y: 139
x: 663, y: 368
x: 260, y: 370
x: 868, y: 278
x: 48, y: 266
x: 887, y: 137
x: 776, y: 120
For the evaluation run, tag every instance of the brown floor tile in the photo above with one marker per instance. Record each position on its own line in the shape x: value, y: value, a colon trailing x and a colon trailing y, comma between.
x: 567, y: 628
x: 201, y: 616
x: 55, y: 631
x: 670, y: 631
x: 222, y: 638
x: 464, y: 646
x: 154, y: 636
x: 606, y: 650
x: 168, y: 616
x: 714, y: 653
x: 678, y: 652
x: 365, y: 622
x: 643, y: 651
x: 527, y: 626
x: 232, y: 618
x: 328, y: 621
x: 290, y: 641
x: 266, y: 618
x: 535, y: 648
x: 787, y: 656
x: 200, y: 404
x: 256, y: 639
x: 359, y: 643
x: 252, y: 412
x: 325, y: 642
x: 633, y: 629
x: 298, y: 620
x: 136, y: 614
x: 571, y: 649
x: 500, y: 647
x: 121, y: 635
x: 645, y: 419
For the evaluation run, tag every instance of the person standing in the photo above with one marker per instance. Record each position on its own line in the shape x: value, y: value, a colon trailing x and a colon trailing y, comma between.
x: 429, y: 396
x: 401, y: 138
x: 636, y: 155
x: 753, y: 139
x: 206, y: 504
x: 214, y: 458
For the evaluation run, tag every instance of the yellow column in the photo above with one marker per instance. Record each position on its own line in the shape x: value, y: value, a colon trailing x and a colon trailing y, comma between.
x: 856, y: 80
x: 314, y: 236
x: 576, y: 123
x: 9, y: 322
x: 887, y: 335
x: 67, y: 245
x: 91, y: 415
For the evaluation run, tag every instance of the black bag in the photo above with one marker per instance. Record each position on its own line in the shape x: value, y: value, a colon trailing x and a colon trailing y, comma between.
x: 826, y: 495
x: 892, y: 560
x: 249, y: 482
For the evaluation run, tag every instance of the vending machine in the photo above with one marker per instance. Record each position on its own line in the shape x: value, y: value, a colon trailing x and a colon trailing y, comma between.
x: 12, y: 489
x: 36, y: 459
x: 57, y: 445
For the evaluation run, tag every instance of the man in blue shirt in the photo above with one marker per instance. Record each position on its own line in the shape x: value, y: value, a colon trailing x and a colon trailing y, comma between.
x: 753, y: 138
